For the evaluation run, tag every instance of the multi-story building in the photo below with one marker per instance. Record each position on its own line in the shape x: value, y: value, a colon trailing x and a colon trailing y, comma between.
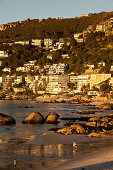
x: 58, y: 68
x: 82, y: 80
x: 48, y: 42
x: 57, y: 84
x: 37, y: 42
x: 97, y: 79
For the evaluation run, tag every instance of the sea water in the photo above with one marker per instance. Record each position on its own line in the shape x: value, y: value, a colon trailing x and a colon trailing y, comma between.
x: 15, y: 140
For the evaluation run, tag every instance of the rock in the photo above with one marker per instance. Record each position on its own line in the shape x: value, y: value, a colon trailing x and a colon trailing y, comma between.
x: 95, y: 119
x: 85, y: 112
x: 68, y: 123
x: 4, y: 119
x: 110, y: 123
x: 79, y: 128
x: 105, y: 106
x: 76, y: 119
x: 52, y: 118
x: 106, y: 119
x: 98, y: 135
x: 93, y: 124
x: 104, y: 124
x: 53, y: 129
x: 22, y: 106
x: 34, y: 117
x: 65, y: 131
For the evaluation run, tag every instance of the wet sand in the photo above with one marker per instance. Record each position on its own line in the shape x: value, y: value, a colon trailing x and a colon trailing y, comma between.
x: 55, y: 138
x: 99, y: 160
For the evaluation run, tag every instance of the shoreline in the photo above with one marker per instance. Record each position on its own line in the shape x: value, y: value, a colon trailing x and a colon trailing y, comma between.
x: 98, y: 160
x: 92, y: 159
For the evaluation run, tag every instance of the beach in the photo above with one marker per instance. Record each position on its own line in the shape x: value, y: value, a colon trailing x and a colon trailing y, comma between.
x: 38, y: 147
x: 100, y: 160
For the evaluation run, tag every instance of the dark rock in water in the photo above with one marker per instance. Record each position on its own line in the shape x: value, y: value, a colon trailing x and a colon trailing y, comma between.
x: 4, y: 119
x: 53, y: 129
x: 22, y: 106
x: 75, y: 119
x: 68, y: 123
x: 69, y: 118
x: 52, y: 118
x: 34, y: 117
x: 86, y: 112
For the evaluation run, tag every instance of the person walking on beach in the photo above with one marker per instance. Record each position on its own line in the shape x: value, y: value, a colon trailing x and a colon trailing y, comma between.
x: 74, y: 143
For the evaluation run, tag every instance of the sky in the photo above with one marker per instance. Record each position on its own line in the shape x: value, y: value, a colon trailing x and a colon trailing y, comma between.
x: 19, y: 10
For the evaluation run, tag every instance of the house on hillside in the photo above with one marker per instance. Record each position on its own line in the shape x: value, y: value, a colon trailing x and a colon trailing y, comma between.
x: 79, y: 37
x: 4, y: 54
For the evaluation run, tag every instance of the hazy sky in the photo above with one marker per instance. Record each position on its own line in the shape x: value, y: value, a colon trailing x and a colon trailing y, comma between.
x: 17, y: 10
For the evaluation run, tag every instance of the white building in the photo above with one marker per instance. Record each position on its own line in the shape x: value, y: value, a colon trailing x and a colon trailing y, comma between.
x: 78, y: 37
x: 54, y: 88
x: 22, y: 42
x: 48, y: 42
x: 37, y: 42
x: 18, y: 79
x: 3, y: 54
x: 83, y: 80
x: 6, y: 69
x: 97, y: 79
x: 58, y: 68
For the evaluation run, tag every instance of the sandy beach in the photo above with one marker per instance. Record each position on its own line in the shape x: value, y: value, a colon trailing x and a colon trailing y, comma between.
x: 97, y: 160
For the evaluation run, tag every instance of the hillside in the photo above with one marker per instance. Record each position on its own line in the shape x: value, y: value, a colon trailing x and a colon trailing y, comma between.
x: 51, y: 27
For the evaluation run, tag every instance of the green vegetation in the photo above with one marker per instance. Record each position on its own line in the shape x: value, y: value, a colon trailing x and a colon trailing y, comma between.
x: 51, y: 27
x: 97, y: 47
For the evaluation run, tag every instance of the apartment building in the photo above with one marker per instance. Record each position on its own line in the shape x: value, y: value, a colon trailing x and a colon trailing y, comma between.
x: 48, y: 42
x: 37, y: 42
x: 82, y: 80
x: 96, y: 79
x: 58, y: 68
x: 57, y: 84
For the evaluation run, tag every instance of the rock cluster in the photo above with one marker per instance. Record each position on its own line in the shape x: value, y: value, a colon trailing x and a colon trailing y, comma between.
x: 33, y: 118
x: 96, y: 125
x: 38, y: 118
x: 105, y: 106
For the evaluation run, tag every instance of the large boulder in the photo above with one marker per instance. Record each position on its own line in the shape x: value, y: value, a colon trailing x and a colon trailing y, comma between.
x: 52, y: 118
x: 5, y: 119
x: 34, y: 117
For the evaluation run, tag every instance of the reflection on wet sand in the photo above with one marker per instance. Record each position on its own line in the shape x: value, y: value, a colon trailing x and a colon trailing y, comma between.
x: 32, y: 155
